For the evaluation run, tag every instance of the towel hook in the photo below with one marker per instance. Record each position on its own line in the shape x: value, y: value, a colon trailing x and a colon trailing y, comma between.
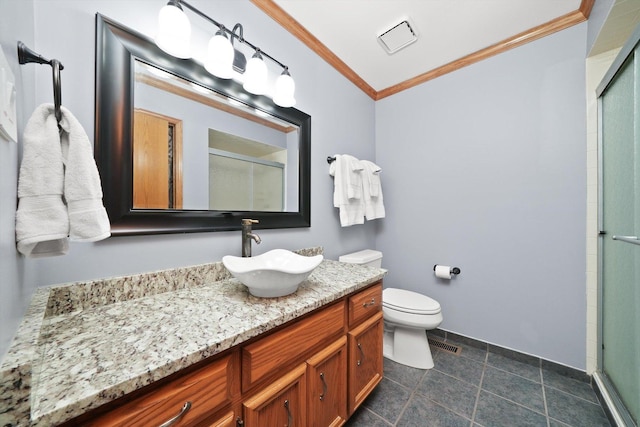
x: 26, y: 55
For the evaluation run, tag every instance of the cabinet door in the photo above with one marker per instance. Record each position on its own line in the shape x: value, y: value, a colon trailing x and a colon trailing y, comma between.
x: 327, y: 377
x: 157, y: 161
x: 365, y: 360
x: 283, y: 403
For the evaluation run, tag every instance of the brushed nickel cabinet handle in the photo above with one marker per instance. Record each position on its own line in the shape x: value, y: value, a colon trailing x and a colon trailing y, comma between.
x: 289, y: 417
x: 324, y: 386
x: 178, y: 417
x: 362, y: 353
x: 370, y: 303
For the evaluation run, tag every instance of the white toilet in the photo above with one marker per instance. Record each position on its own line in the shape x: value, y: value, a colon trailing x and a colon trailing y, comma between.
x: 407, y: 315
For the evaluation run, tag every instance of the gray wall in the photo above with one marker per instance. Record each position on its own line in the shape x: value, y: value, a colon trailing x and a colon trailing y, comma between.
x: 16, y: 281
x: 342, y: 122
x: 485, y: 169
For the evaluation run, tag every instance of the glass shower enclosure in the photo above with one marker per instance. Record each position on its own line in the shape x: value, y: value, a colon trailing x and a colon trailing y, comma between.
x: 619, y: 242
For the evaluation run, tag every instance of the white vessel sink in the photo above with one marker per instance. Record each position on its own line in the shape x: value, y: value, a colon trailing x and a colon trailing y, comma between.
x: 273, y: 274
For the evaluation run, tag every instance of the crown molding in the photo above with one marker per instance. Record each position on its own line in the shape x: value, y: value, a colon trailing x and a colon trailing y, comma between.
x: 294, y: 27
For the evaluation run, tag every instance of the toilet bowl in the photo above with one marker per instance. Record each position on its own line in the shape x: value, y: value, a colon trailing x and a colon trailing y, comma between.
x: 407, y: 316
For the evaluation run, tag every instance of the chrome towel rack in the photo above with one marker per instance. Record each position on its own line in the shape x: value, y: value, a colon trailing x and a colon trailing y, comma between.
x: 26, y: 55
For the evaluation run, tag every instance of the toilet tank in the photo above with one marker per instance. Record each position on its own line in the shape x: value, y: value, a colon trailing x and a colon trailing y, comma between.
x: 365, y: 257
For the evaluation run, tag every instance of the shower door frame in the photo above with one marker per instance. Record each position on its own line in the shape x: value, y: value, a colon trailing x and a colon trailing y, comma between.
x: 613, y: 401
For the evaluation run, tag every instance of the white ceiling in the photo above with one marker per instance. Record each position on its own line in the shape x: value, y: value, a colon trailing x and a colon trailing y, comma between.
x: 621, y: 21
x: 447, y: 30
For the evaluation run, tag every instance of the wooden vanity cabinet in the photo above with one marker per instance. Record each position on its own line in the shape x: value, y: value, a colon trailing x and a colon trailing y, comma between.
x: 314, y: 371
x: 339, y: 376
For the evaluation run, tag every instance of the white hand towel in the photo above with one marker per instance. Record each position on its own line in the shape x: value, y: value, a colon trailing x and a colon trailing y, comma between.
x: 338, y: 195
x: 42, y: 224
x: 347, y: 171
x: 56, y: 164
x: 372, y: 191
x: 347, y: 191
x: 371, y: 178
x: 353, y: 175
x: 88, y: 220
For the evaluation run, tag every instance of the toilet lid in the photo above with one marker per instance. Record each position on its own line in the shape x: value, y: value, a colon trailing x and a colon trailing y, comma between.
x: 409, y: 302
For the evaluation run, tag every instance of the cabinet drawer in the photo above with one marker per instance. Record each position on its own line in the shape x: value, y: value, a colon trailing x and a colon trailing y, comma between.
x: 364, y: 304
x: 207, y: 389
x: 290, y: 344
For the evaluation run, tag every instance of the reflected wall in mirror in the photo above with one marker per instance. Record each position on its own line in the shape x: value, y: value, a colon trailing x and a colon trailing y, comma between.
x: 181, y: 151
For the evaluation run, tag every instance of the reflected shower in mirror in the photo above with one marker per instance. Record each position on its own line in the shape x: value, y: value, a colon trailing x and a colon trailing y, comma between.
x: 193, y: 149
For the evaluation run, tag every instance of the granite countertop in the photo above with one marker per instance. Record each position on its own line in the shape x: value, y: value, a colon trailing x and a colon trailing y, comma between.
x: 84, y: 344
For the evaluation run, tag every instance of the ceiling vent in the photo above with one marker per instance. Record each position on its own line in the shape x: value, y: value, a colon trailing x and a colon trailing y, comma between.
x: 398, y: 37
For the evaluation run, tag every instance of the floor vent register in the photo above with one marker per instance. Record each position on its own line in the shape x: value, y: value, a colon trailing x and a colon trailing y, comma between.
x: 449, y: 348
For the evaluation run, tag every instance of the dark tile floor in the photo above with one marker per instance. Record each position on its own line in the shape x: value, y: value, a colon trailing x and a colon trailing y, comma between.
x: 483, y: 386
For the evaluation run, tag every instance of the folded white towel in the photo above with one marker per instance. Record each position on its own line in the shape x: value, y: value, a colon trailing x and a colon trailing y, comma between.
x: 353, y: 175
x: 347, y: 171
x: 57, y: 163
x: 347, y: 189
x: 372, y: 191
x: 88, y: 220
x: 42, y: 225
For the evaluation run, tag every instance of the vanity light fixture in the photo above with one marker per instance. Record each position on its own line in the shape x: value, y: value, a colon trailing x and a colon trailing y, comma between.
x: 255, y: 78
x: 220, y: 55
x: 285, y: 88
x: 174, y: 33
x: 174, y: 30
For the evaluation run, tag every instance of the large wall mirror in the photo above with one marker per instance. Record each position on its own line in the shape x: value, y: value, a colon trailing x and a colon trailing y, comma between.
x: 180, y: 150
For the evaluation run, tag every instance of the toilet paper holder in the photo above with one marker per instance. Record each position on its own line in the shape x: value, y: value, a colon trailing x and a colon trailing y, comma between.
x: 453, y: 270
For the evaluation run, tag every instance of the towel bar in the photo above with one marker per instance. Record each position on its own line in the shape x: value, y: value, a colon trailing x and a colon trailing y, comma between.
x: 26, y: 55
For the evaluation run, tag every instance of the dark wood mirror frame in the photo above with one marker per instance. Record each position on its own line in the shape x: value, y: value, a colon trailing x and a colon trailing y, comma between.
x: 117, y: 48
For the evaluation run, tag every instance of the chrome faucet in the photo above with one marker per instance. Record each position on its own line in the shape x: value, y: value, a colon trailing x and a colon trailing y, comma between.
x: 247, y: 235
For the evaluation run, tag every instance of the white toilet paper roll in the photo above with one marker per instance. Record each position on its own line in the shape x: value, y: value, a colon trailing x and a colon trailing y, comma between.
x: 443, y: 271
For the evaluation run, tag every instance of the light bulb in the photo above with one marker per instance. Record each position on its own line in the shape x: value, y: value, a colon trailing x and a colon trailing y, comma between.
x: 285, y: 88
x: 220, y: 56
x: 174, y: 31
x: 256, y: 75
